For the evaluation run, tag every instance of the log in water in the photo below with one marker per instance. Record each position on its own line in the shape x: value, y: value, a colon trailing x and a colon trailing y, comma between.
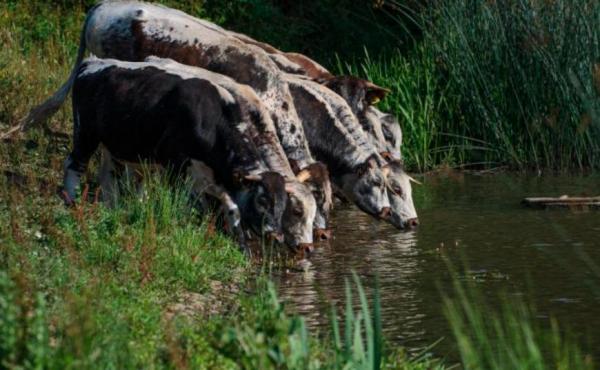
x: 563, y: 202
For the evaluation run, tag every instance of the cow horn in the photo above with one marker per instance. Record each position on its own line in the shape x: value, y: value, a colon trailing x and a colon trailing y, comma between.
x: 303, y: 175
x: 375, y: 93
x: 411, y: 179
x: 252, y: 177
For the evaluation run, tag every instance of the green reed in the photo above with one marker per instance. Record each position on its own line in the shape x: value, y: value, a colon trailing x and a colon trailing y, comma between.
x: 527, y: 76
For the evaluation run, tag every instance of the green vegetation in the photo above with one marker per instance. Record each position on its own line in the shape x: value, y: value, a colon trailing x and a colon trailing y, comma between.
x: 511, y: 338
x: 151, y: 284
x: 494, y: 83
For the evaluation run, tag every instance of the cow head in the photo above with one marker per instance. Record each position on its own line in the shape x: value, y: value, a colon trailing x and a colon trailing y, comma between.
x: 316, y: 177
x: 361, y: 95
x: 358, y: 93
x: 299, y: 215
x: 366, y: 186
x: 263, y: 203
x: 403, y: 214
x: 385, y: 129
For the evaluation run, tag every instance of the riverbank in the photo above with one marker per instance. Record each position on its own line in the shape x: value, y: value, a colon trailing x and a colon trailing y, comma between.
x: 147, y: 284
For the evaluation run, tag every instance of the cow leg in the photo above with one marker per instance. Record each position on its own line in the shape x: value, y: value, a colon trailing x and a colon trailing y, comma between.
x: 76, y: 163
x: 73, y: 170
x: 203, y: 182
x: 107, y: 179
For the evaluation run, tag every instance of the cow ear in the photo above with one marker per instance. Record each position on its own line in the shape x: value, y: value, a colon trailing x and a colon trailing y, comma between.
x: 252, y: 178
x: 372, y: 162
x: 386, y: 170
x: 374, y: 93
x: 294, y: 165
x: 303, y: 175
x: 369, y: 164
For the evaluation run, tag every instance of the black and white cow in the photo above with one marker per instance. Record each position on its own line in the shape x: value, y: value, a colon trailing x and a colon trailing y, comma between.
x: 335, y: 135
x: 315, y: 175
x: 149, y: 112
x: 383, y: 128
x: 361, y: 95
x: 355, y: 166
x: 132, y: 31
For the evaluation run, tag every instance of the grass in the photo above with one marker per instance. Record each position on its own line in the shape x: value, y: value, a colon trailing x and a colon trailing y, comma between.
x: 492, y: 83
x: 510, y: 338
x: 417, y: 98
x: 151, y: 284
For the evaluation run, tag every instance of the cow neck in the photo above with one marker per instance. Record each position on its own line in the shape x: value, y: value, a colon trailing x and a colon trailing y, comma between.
x: 325, y: 119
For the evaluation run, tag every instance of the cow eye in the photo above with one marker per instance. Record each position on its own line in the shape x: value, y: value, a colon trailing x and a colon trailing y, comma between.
x: 396, y: 189
x: 298, y: 211
x: 386, y: 133
x: 263, y: 201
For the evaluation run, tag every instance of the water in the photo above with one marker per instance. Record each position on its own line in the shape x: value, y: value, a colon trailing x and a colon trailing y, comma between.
x: 476, y: 221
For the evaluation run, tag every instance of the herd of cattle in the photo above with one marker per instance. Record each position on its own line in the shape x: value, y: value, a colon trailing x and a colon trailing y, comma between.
x: 272, y: 136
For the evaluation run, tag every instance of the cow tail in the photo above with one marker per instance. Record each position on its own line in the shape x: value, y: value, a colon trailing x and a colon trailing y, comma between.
x: 52, y: 104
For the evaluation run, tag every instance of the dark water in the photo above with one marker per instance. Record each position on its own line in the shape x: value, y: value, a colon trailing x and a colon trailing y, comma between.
x: 476, y: 221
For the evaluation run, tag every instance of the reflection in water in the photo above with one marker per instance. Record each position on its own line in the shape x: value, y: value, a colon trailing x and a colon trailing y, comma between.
x: 474, y: 221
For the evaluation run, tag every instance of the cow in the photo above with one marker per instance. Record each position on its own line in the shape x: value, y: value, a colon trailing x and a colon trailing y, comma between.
x: 132, y: 31
x: 140, y: 111
x: 383, y: 128
x: 335, y: 134
x: 355, y: 166
x: 315, y: 175
x: 361, y: 95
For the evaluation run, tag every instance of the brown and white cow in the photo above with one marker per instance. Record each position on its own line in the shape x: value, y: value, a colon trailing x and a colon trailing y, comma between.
x: 355, y: 166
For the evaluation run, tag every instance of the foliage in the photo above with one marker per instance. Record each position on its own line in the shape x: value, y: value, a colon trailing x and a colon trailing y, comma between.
x: 509, y: 338
x: 418, y: 99
x: 526, y: 73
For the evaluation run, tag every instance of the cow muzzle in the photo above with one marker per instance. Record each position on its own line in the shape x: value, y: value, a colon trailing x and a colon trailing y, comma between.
x: 322, y: 235
x: 385, y: 213
x: 275, y: 237
x: 305, y: 248
x: 412, y: 223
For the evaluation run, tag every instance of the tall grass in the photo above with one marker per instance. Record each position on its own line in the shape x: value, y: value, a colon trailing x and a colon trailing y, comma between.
x: 509, y: 336
x: 418, y: 98
x: 527, y: 75
x: 494, y: 83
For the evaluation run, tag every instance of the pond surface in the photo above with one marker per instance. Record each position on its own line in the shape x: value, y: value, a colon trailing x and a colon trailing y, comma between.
x: 476, y: 221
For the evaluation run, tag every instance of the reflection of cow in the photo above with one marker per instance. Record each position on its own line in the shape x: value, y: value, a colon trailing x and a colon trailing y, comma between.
x: 132, y: 31
x: 166, y: 115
